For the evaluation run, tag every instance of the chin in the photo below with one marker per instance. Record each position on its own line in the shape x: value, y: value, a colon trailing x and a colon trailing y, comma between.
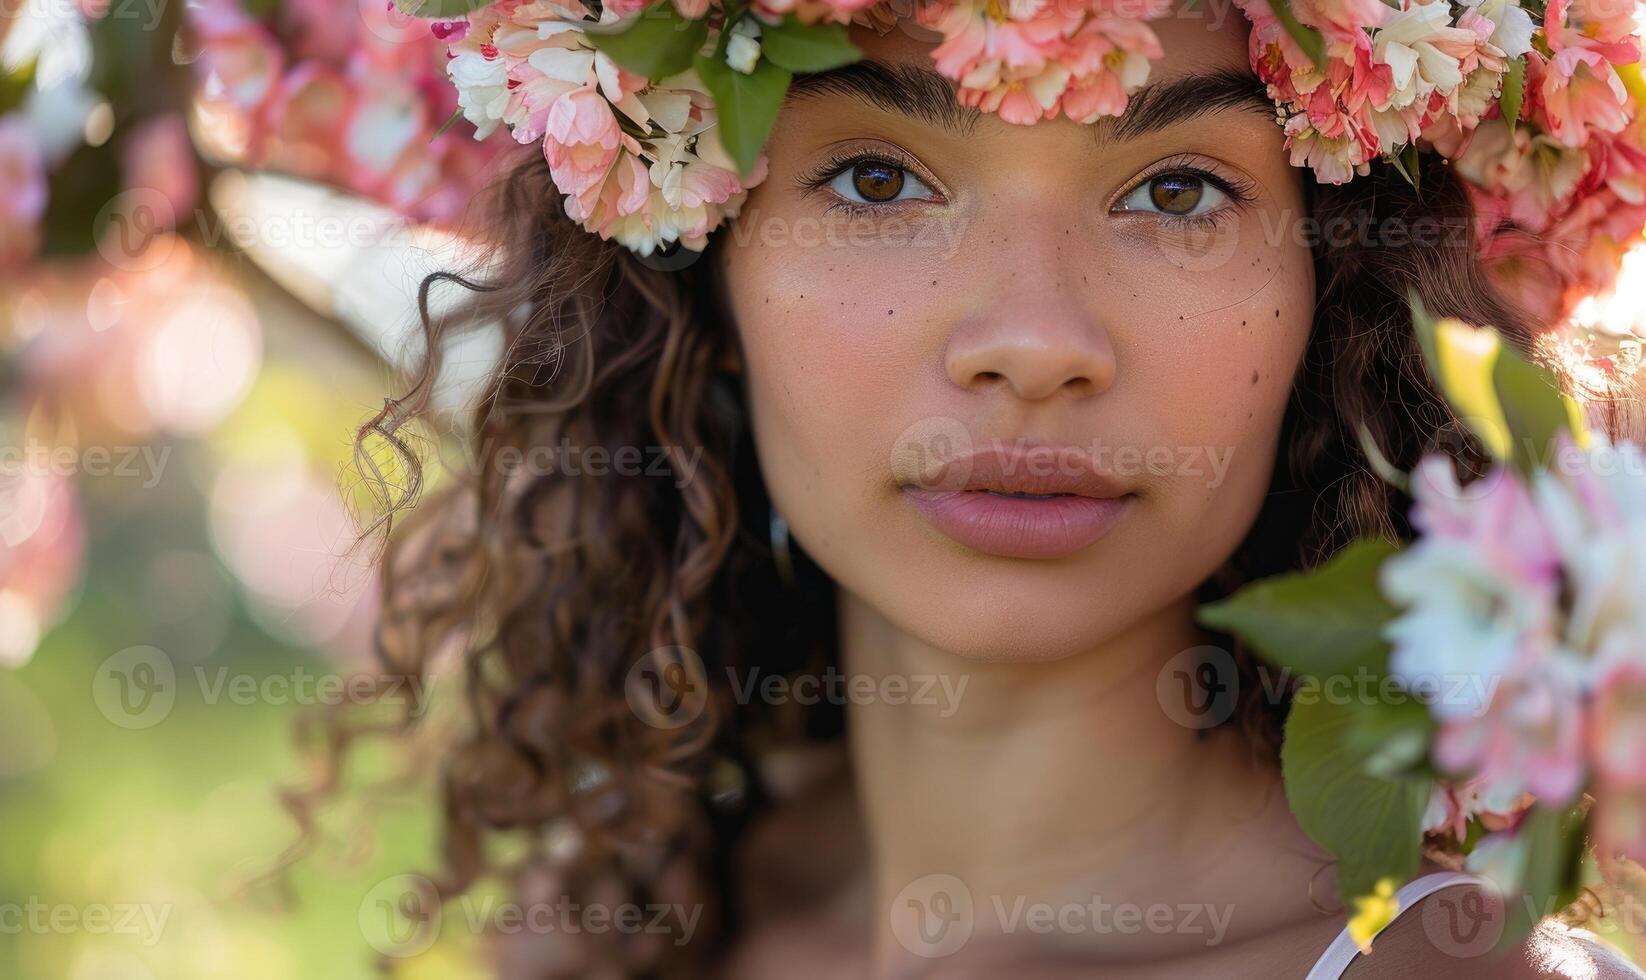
x: 984, y: 609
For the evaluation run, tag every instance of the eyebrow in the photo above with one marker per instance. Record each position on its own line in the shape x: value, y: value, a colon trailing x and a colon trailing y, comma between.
x: 1165, y: 104
x: 922, y: 93
x: 911, y: 90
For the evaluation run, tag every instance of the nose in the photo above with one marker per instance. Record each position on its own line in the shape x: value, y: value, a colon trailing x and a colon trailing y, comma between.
x: 1038, y: 345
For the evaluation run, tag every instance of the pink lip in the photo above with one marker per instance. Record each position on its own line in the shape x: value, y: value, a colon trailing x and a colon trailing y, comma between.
x: 1018, y: 527
x: 970, y: 503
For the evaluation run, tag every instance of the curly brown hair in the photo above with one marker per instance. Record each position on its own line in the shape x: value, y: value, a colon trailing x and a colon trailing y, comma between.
x: 553, y: 584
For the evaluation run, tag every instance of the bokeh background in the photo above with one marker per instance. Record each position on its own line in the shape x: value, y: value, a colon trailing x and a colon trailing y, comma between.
x: 213, y: 219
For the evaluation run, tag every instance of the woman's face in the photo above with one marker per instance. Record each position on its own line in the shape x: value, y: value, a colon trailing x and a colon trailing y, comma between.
x: 939, y: 310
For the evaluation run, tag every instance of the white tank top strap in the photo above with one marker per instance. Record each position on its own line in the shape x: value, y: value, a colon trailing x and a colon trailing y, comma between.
x: 1337, y: 957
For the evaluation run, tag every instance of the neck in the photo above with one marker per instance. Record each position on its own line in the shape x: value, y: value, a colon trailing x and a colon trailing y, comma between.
x: 1066, y: 784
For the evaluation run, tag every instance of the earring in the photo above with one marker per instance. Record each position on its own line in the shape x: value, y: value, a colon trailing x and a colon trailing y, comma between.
x: 779, y: 530
x: 1323, y: 910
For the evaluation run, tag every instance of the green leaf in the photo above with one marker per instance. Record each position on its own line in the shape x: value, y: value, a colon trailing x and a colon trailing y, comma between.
x: 747, y: 104
x: 1374, y: 826
x: 657, y: 42
x: 1398, y: 161
x: 1460, y: 360
x: 438, y: 9
x: 1320, y: 623
x: 1552, y: 870
x: 1514, y: 91
x: 1307, y: 38
x: 1394, y: 735
x: 451, y: 121
x: 800, y: 47
x: 1534, y: 409
x: 1386, y: 471
x: 1515, y: 407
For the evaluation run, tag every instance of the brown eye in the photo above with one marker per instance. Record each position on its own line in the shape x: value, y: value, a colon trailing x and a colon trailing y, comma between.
x: 1177, y: 194
x: 877, y: 182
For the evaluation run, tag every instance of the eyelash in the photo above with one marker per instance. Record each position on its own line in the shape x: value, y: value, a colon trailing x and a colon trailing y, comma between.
x: 819, y: 178
x: 1239, y: 191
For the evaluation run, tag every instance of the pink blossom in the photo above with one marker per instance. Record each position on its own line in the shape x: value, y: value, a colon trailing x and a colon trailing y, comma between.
x: 304, y: 120
x: 1424, y: 51
x: 624, y: 191
x: 1343, y: 18
x: 636, y: 158
x: 1618, y: 721
x: 582, y: 140
x: 22, y: 191
x: 1029, y: 60
x: 1478, y: 589
x: 1483, y: 64
x: 42, y: 553
x: 1338, y: 116
x: 1605, y: 27
x: 385, y: 119
x: 1555, y: 221
x: 239, y: 59
x: 1580, y: 93
x: 1554, y: 253
x: 1617, y: 730
x: 1534, y: 175
x: 159, y: 157
x: 807, y: 11
x: 1334, y: 160
x: 1453, y: 805
x: 1530, y: 738
x: 1109, y: 58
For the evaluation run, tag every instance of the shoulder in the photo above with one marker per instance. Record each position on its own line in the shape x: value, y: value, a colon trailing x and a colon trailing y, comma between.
x: 1558, y: 951
x: 1445, y: 937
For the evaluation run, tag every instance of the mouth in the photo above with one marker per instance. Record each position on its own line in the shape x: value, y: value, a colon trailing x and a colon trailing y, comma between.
x: 1041, y: 503
x: 1015, y: 495
x: 1019, y: 525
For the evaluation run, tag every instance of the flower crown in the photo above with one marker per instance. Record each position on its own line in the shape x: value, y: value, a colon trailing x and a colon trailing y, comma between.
x: 652, y: 115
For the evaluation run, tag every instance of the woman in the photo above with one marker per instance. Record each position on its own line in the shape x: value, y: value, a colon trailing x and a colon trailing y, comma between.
x: 939, y: 444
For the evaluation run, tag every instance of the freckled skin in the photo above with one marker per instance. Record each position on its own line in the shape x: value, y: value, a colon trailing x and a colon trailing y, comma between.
x: 1007, y: 331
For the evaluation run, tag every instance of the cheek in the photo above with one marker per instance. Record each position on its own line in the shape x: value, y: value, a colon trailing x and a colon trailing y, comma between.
x: 822, y: 376
x: 1216, y: 377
